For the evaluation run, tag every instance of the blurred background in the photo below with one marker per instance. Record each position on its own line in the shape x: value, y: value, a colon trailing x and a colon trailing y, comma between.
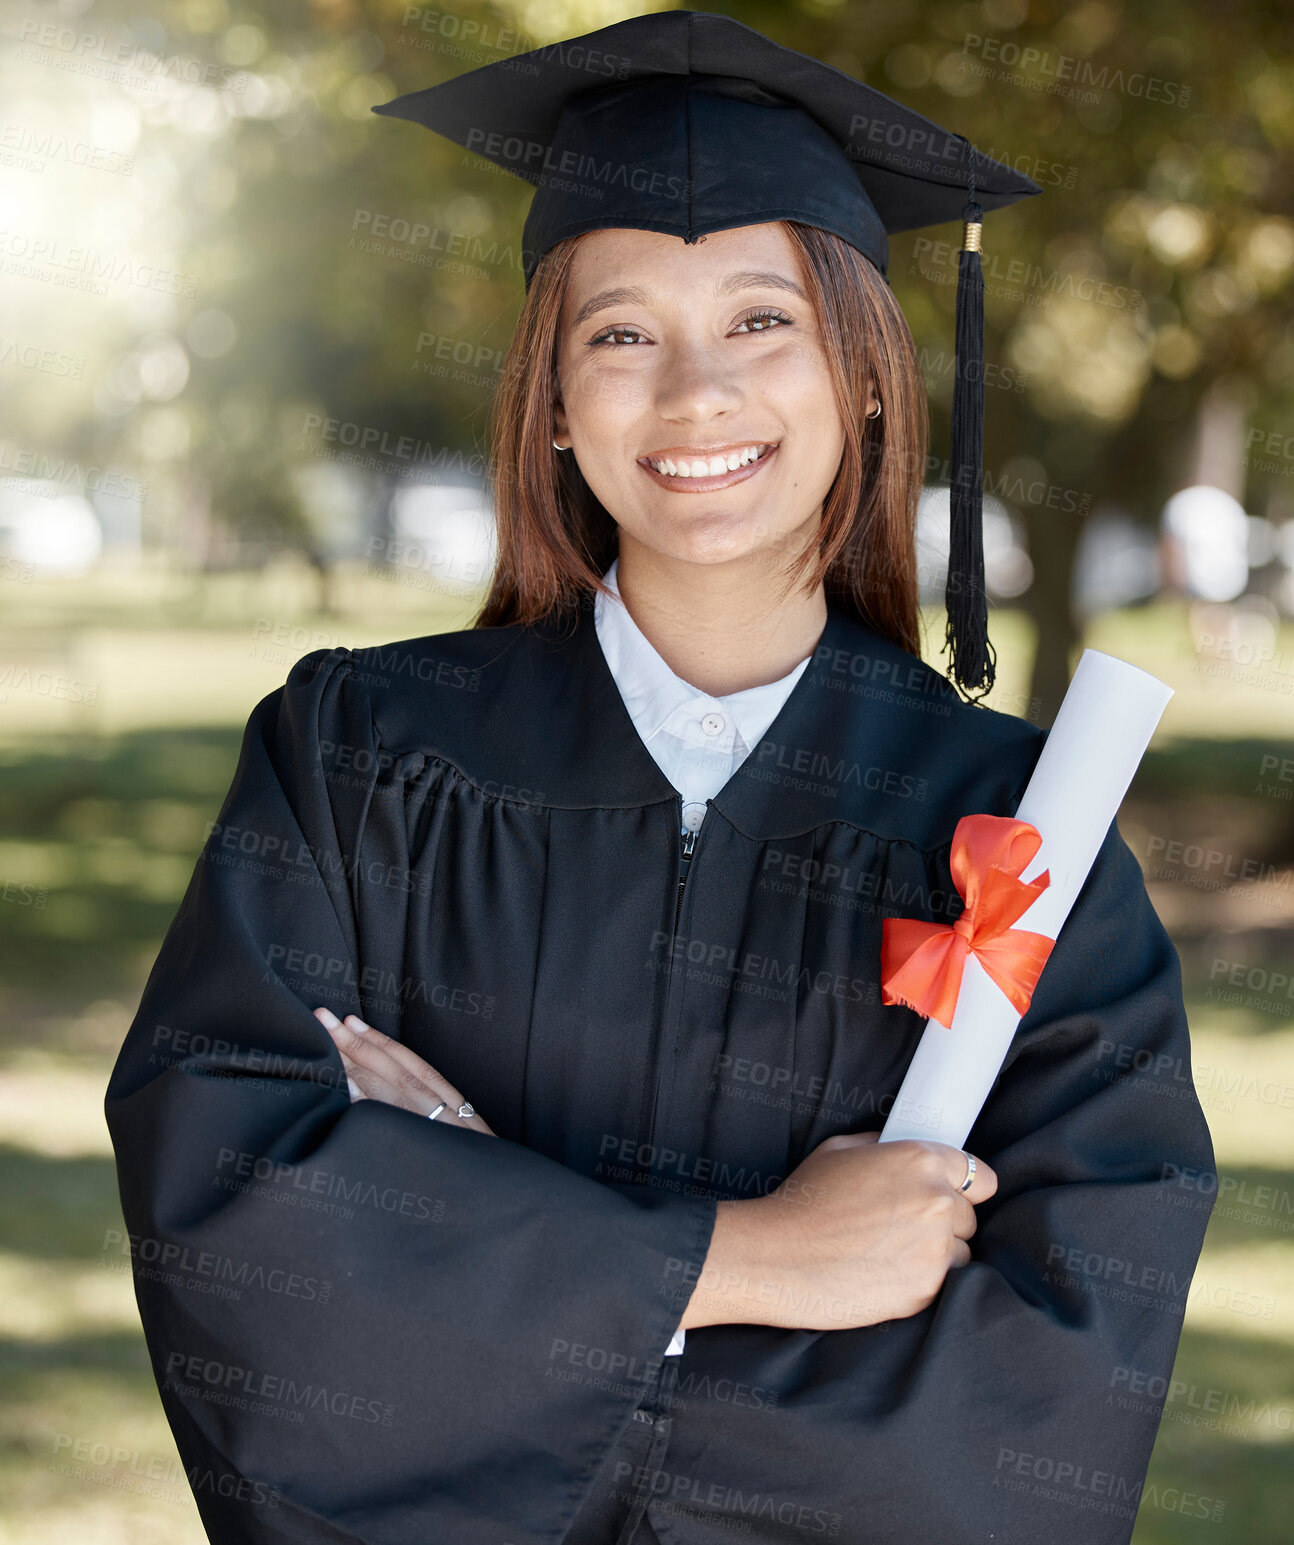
x: 248, y: 337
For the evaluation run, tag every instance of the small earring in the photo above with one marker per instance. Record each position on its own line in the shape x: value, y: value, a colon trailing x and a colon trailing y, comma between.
x: 557, y: 447
x: 876, y: 412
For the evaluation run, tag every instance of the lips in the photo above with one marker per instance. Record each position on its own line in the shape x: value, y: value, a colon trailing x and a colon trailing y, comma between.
x: 739, y: 461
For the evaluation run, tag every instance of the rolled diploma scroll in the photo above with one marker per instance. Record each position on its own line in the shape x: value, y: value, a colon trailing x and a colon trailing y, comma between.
x: 1100, y: 734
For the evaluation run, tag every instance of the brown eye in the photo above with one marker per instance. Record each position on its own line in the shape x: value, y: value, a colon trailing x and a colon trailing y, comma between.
x: 765, y: 316
x: 611, y: 332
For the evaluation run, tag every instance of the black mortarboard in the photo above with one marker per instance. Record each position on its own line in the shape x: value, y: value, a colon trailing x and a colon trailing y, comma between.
x: 688, y: 122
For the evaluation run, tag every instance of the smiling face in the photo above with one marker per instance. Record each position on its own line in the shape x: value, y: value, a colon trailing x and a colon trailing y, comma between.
x: 694, y: 389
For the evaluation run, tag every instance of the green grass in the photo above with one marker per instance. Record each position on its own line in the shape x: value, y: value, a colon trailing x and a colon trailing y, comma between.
x: 102, y: 810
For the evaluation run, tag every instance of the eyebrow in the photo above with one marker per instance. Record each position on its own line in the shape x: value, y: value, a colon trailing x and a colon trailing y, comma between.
x: 747, y: 279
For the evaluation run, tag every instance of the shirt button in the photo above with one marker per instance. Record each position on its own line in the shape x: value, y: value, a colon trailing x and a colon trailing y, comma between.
x: 713, y: 723
x: 693, y: 815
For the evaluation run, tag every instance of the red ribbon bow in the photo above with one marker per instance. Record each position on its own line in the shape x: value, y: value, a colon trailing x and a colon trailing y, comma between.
x: 922, y: 963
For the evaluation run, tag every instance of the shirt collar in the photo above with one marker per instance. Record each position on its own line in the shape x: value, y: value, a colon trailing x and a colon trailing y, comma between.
x: 651, y: 690
x: 870, y: 735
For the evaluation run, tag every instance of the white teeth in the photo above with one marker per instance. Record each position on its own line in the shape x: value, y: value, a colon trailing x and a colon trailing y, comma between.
x: 714, y: 467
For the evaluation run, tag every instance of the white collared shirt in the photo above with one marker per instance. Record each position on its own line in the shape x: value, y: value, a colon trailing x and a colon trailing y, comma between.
x: 698, y: 741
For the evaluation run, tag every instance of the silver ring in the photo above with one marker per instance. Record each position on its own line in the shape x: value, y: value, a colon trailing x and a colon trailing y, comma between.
x: 463, y: 1112
x: 970, y: 1173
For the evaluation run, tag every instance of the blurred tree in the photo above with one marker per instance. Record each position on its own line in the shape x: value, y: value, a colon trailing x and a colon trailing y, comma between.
x: 1158, y: 258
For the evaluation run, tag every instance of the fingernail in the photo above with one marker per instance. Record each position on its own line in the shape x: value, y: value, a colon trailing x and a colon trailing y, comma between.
x: 327, y: 1018
x: 355, y: 1022
x: 354, y: 1088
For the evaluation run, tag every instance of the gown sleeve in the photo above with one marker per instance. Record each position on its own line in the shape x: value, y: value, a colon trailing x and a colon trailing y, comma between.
x: 364, y: 1325
x: 1022, y: 1404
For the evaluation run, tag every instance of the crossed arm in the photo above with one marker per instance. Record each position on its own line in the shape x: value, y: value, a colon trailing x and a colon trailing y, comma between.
x: 888, y: 1221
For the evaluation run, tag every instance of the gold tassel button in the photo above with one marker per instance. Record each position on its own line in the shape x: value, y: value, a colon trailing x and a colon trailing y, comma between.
x: 971, y: 232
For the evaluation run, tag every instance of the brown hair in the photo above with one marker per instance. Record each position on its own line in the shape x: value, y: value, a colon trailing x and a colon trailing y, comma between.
x: 556, y: 540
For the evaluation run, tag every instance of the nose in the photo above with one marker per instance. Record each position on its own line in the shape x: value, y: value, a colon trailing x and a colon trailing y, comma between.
x: 696, y: 383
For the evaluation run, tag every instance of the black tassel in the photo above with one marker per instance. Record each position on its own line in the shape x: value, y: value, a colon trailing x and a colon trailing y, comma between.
x: 973, y: 657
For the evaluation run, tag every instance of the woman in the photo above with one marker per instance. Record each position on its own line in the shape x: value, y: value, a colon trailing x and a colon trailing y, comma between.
x: 645, y: 1015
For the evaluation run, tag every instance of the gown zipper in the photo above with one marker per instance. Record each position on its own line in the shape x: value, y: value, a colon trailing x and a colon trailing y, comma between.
x: 685, y: 858
x: 687, y: 843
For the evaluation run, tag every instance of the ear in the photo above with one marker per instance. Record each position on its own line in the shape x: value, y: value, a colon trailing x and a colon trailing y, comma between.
x: 561, y: 428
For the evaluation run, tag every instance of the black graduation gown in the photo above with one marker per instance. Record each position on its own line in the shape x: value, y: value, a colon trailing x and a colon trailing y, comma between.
x: 369, y: 1326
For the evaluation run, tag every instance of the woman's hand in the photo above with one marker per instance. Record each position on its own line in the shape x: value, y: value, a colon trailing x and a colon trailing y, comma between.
x: 860, y: 1232
x: 380, y: 1068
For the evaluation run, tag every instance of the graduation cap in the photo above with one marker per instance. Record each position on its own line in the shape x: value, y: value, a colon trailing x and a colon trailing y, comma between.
x: 688, y: 122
